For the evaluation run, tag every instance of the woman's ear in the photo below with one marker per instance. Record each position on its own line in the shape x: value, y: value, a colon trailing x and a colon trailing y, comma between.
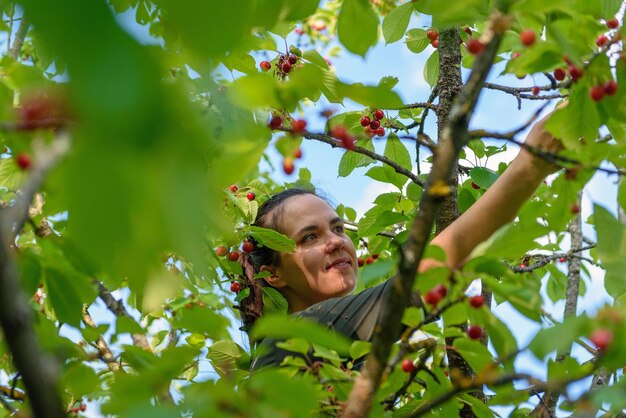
x: 273, y: 279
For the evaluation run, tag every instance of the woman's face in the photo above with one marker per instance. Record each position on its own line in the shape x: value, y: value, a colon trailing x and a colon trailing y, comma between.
x: 324, y: 264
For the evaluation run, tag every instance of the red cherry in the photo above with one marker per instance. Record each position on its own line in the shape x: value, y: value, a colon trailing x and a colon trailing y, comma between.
x: 293, y: 59
x: 251, y: 196
x: 574, y: 209
x: 475, y: 186
x: 612, y: 23
x: 475, y: 47
x: 475, y: 332
x: 221, y: 251
x: 575, y: 72
x: 477, y: 301
x: 610, y: 87
x: 374, y: 125
x: 233, y: 188
x: 369, y: 260
x: 340, y: 132
x: 41, y: 111
x: 233, y: 256
x: 286, y: 67
x: 375, y: 256
x: 235, y: 287
x: 298, y: 126
x: 468, y: 30
x: 441, y: 290
x: 379, y: 114
x: 275, y: 122
x: 365, y: 121
x: 562, y: 260
x: 601, y: 338
x: 596, y: 93
x: 432, y: 297
x: 297, y: 153
x: 536, y: 90
x: 602, y: 40
x: 288, y: 166
x: 23, y: 161
x: 368, y: 132
x: 528, y: 37
x: 432, y: 34
x: 435, y: 43
x: 247, y: 247
x: 408, y: 366
x: 361, y: 262
x: 83, y: 407
x: 265, y: 65
x: 559, y: 74
x: 380, y: 131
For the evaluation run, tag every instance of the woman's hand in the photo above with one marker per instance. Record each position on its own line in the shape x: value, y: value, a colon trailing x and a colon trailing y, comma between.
x: 541, y: 140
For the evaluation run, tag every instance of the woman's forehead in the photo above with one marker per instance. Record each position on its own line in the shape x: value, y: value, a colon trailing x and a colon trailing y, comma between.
x: 306, y: 209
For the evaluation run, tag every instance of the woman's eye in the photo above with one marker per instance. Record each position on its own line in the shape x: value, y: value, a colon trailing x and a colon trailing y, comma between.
x: 339, y: 228
x: 309, y: 237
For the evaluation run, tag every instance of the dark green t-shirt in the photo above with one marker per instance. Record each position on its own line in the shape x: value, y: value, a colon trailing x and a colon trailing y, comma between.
x: 354, y: 316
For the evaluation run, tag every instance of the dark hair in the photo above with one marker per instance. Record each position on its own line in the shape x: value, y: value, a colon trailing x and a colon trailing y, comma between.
x: 269, y: 215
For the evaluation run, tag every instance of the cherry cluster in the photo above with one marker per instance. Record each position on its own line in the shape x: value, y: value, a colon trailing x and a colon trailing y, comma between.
x: 284, y: 64
x: 367, y: 260
x: 371, y: 125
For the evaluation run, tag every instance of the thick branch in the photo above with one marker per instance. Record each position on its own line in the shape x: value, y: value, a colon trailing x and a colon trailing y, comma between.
x: 20, y: 35
x: 388, y: 329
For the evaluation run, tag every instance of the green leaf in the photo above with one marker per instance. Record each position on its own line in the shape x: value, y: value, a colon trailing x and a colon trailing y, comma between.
x: 357, y: 26
x: 387, y: 174
x: 396, y: 22
x: 253, y: 91
x: 416, y: 40
x: 484, y: 177
x: 202, y: 321
x: 372, y: 96
x: 611, y: 250
x: 272, y: 239
x: 476, y: 354
x: 351, y: 160
x: 559, y: 337
x: 314, y: 57
x: 453, y: 12
x: 225, y: 355
x: 375, y: 272
x: 274, y: 301
x: 68, y: 291
x: 283, y: 327
x: 431, y: 69
x: 360, y: 348
x: 397, y: 152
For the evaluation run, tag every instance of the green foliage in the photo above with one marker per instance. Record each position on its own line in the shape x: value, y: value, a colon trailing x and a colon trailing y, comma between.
x: 167, y: 109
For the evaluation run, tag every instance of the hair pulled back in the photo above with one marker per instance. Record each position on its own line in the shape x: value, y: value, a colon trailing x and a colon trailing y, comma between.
x: 269, y: 215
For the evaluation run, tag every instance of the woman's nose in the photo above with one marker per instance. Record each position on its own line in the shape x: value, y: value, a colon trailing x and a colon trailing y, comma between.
x: 334, y: 242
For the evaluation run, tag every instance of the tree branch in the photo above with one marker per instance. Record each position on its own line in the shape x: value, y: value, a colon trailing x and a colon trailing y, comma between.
x: 337, y: 144
x: 20, y: 35
x: 103, y: 348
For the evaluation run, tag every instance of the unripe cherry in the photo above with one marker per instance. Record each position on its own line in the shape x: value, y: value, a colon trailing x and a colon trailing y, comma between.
x: 288, y: 166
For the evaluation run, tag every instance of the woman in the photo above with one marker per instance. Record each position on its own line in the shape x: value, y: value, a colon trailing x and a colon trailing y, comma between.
x: 319, y: 276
